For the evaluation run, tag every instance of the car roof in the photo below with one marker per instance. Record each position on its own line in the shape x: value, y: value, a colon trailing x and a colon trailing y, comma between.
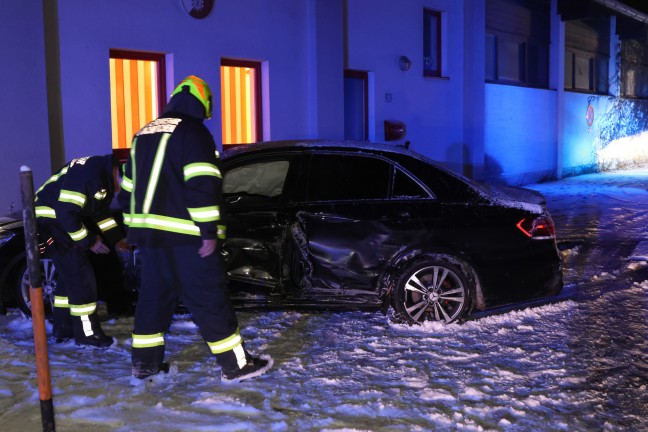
x: 269, y: 147
x: 338, y: 145
x: 341, y: 145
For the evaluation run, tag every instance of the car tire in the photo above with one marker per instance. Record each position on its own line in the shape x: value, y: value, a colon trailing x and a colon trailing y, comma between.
x: 434, y: 288
x: 22, y: 286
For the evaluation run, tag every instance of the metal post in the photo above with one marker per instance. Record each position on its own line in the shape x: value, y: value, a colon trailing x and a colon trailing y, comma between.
x: 36, y: 297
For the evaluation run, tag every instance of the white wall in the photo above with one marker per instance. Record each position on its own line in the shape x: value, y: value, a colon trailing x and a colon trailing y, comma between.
x: 513, y: 134
x: 583, y: 141
x: 24, y: 136
x: 275, y: 32
x: 380, y: 31
x: 474, y: 89
x: 520, y: 133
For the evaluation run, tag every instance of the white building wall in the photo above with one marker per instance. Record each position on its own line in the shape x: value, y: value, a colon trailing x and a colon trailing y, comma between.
x: 326, y: 60
x: 520, y: 134
x: 242, y: 29
x: 24, y: 136
x: 379, y: 32
x: 474, y: 90
x: 583, y: 140
x: 496, y: 132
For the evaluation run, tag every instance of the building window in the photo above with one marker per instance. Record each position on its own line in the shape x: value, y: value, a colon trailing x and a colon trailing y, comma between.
x: 517, y: 42
x: 634, y: 68
x: 137, y: 86
x: 431, y: 43
x: 587, y: 55
x: 241, y: 101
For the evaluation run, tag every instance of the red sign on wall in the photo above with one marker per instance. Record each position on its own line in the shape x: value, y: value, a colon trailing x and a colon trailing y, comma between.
x: 589, y: 116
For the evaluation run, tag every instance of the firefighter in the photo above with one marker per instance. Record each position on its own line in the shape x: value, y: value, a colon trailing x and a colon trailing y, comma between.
x: 171, y: 197
x: 79, y: 192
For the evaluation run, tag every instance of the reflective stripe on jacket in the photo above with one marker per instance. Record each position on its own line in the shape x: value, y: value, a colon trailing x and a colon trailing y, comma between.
x: 171, y: 188
x: 81, y: 189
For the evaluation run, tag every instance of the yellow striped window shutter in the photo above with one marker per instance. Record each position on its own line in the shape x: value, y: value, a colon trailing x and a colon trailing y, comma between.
x: 240, y: 102
x: 134, y: 97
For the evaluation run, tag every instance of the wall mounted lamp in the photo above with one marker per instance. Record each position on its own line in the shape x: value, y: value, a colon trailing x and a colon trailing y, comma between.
x: 404, y: 63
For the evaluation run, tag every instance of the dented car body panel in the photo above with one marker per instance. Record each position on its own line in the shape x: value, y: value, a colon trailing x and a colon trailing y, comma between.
x: 329, y: 224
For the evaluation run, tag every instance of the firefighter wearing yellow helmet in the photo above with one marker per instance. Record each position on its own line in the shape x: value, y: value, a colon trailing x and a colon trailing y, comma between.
x: 199, y: 89
x: 172, y: 201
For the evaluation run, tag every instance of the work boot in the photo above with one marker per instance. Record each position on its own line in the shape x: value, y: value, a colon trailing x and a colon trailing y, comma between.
x: 61, y: 336
x: 88, y: 332
x: 97, y: 341
x: 255, y: 367
x: 144, y: 370
x: 62, y: 327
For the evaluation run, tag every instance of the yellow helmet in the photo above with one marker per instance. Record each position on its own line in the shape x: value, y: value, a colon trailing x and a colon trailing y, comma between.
x: 199, y: 89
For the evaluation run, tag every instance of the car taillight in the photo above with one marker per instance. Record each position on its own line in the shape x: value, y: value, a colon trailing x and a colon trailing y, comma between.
x: 42, y: 246
x: 537, y: 228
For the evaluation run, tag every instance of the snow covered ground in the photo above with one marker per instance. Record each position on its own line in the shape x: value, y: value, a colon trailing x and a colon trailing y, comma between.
x: 576, y: 364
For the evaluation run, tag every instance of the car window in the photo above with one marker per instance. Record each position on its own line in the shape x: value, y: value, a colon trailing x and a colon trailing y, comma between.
x: 406, y: 188
x: 256, y: 180
x: 348, y: 177
x: 444, y: 186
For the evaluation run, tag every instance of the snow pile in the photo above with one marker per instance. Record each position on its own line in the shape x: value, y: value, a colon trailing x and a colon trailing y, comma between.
x: 579, y: 364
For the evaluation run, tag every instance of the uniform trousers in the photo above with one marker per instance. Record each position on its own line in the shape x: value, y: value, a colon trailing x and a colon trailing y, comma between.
x: 169, y: 274
x: 76, y: 287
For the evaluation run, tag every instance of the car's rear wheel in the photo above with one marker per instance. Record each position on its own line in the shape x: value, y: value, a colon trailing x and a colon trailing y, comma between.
x: 48, y: 273
x: 433, y: 289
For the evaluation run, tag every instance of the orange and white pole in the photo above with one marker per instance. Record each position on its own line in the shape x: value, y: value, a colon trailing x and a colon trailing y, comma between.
x: 36, y: 297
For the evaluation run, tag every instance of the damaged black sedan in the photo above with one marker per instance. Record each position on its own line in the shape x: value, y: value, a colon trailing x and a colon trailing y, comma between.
x: 340, y: 225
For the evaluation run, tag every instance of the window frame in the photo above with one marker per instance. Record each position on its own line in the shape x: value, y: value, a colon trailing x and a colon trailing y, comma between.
x: 427, y: 14
x: 282, y: 164
x: 405, y: 174
x: 528, y: 39
x: 587, y: 42
x: 292, y: 187
x: 394, y: 168
x: 629, y: 67
x: 230, y: 62
x: 160, y: 60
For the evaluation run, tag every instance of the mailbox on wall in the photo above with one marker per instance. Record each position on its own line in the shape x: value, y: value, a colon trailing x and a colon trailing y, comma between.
x: 394, y: 130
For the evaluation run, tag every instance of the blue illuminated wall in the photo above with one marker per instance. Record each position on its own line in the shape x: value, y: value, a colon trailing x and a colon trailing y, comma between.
x: 303, y: 58
x: 494, y: 132
x: 616, y: 138
x: 519, y: 134
x: 379, y: 33
x: 580, y: 140
x: 300, y: 44
x: 24, y: 132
